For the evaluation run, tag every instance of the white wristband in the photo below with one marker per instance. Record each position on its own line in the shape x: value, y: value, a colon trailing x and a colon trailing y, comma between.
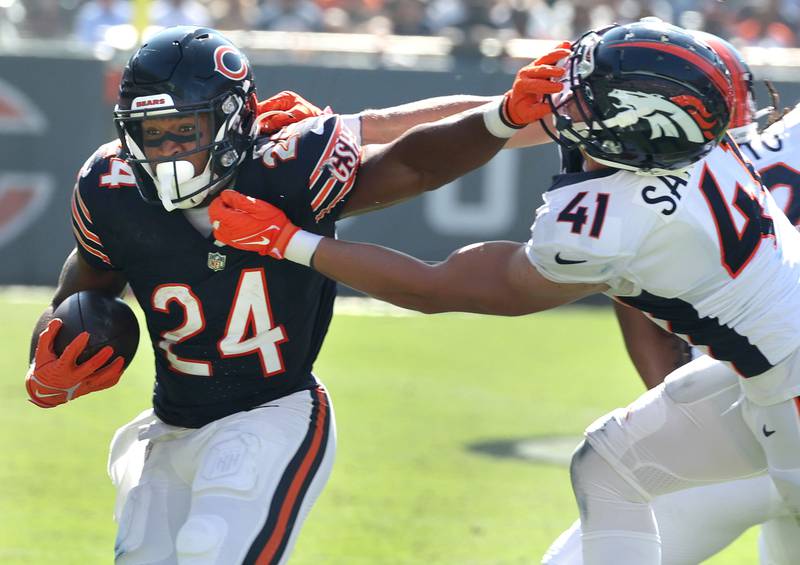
x: 301, y: 247
x: 496, y: 122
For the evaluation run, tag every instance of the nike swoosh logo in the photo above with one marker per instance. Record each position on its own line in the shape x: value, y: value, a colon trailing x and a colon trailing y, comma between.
x: 38, y: 394
x: 561, y: 261
x: 264, y: 241
x: 767, y: 432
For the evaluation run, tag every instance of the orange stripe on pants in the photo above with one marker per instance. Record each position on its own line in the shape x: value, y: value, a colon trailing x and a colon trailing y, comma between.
x: 268, y: 553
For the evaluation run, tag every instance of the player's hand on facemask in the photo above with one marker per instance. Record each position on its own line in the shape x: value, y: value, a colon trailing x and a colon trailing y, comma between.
x: 250, y: 224
x: 285, y: 108
x: 526, y: 102
x: 54, y: 379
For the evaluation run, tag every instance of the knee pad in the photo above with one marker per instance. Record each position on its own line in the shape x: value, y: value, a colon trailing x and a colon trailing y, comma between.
x: 613, y: 510
x: 200, y: 539
x: 613, y: 438
x: 593, y: 476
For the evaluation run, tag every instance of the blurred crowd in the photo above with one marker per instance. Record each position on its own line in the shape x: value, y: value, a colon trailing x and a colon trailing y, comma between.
x: 769, y: 23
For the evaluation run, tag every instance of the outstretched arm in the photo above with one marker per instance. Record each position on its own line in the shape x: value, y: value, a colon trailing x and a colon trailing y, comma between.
x: 431, y: 155
x: 379, y: 126
x: 489, y: 278
x: 387, y: 124
x: 424, y: 158
x: 493, y: 277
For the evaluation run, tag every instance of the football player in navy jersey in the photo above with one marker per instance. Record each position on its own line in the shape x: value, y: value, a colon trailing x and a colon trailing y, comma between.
x: 666, y: 216
x: 241, y: 437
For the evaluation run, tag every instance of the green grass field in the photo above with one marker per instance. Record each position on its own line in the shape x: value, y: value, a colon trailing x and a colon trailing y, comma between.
x: 412, y: 394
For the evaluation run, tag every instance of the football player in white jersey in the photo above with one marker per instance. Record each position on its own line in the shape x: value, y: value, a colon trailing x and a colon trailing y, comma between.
x: 703, y: 249
x: 721, y: 511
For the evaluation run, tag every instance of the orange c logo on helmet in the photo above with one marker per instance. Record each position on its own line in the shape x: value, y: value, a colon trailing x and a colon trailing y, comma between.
x: 225, y: 70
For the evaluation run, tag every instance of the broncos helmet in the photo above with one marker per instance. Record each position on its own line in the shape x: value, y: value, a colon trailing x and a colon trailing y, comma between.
x: 743, y: 124
x: 186, y: 73
x: 646, y: 97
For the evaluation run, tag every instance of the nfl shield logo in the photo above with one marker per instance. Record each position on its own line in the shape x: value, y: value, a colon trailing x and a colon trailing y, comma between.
x: 216, y: 261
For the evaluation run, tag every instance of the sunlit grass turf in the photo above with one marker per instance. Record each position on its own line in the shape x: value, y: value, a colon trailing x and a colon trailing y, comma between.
x: 411, y: 395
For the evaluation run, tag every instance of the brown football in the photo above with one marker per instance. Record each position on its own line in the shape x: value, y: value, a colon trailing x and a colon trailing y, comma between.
x: 108, y: 319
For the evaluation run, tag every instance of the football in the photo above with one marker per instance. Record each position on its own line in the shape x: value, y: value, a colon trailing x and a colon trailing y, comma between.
x: 108, y: 319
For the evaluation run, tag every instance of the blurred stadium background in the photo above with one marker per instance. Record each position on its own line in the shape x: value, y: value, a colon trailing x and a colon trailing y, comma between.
x: 425, y: 404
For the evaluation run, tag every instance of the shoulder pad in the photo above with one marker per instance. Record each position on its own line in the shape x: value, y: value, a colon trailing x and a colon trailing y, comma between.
x: 322, y: 154
x: 587, y: 231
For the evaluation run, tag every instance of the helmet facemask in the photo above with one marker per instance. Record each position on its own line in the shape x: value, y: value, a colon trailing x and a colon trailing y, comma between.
x: 574, y: 124
x: 577, y: 123
x: 206, y: 142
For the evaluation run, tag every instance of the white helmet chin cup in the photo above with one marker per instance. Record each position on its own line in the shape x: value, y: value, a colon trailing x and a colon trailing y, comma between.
x: 176, y: 177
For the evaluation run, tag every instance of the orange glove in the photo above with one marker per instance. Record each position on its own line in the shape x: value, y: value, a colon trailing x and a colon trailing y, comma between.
x: 526, y: 102
x: 285, y: 108
x: 250, y: 224
x: 54, y: 380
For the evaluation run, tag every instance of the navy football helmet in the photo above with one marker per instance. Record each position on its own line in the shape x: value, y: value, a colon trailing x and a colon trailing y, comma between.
x: 197, y: 76
x: 646, y: 97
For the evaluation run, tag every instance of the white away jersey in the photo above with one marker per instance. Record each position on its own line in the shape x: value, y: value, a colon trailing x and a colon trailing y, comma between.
x: 776, y: 156
x: 708, y: 255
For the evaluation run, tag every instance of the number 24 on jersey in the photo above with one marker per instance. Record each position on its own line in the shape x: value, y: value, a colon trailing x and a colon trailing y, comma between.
x: 250, y: 315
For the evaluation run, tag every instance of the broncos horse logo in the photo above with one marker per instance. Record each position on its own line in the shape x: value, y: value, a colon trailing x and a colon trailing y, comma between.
x: 678, y: 116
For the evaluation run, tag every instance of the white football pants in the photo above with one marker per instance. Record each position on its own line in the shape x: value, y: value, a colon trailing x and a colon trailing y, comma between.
x: 235, y: 491
x: 694, y: 524
x: 695, y: 429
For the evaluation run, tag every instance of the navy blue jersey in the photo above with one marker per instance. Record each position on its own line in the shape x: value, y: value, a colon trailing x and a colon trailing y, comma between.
x: 230, y: 329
